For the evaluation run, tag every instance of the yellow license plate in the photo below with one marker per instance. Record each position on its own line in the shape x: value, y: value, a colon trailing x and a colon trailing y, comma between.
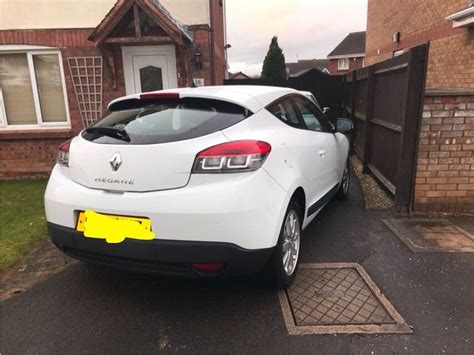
x: 114, y: 229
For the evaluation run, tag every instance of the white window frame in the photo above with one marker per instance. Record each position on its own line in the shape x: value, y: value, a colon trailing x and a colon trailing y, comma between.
x: 34, y: 87
x: 3, y: 116
x: 398, y: 52
x: 342, y: 67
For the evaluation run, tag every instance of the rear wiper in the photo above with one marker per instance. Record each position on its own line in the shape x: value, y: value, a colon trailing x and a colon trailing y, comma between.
x: 113, y: 132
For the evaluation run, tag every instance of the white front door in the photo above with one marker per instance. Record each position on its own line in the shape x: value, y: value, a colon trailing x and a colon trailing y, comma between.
x: 149, y: 68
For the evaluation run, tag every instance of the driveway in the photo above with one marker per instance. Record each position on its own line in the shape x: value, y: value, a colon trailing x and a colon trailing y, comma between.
x: 89, y: 309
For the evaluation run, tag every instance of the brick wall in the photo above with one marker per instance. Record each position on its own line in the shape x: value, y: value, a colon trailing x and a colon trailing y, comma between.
x: 31, y: 154
x: 202, y: 45
x: 451, y: 59
x: 354, y: 63
x: 217, y: 13
x: 445, y: 167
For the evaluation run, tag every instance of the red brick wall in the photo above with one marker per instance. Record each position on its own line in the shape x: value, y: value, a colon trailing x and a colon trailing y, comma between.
x: 217, y: 13
x: 354, y: 63
x: 445, y: 167
x: 29, y: 154
x: 451, y: 58
x: 32, y: 153
x: 202, y: 45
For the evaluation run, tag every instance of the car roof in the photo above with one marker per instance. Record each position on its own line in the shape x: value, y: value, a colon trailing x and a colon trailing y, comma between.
x: 252, y: 97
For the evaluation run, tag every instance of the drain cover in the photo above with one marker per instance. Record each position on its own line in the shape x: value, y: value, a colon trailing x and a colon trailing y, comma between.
x: 431, y: 235
x: 337, y: 298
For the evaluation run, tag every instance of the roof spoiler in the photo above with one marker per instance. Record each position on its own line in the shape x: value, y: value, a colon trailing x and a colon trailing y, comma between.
x: 137, y: 101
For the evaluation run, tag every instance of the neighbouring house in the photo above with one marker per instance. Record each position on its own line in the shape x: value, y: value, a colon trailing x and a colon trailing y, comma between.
x: 348, y: 55
x: 238, y: 75
x: 299, y: 67
x: 61, y: 63
x: 445, y: 166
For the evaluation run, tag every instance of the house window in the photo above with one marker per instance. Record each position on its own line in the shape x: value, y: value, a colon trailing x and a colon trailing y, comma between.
x: 343, y: 64
x: 32, y: 90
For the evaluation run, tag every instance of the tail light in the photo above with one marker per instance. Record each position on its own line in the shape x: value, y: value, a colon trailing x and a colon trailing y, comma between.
x: 63, y: 153
x: 236, y: 156
x: 208, y: 267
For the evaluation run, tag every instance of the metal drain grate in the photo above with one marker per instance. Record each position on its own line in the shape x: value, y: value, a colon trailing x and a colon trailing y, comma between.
x: 337, y: 298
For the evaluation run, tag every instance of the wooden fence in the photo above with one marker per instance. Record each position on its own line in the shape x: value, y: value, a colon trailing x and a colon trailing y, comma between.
x: 326, y: 88
x: 385, y: 103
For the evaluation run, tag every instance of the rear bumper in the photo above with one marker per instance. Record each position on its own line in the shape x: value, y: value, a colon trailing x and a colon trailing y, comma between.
x: 165, y: 257
x: 244, y: 209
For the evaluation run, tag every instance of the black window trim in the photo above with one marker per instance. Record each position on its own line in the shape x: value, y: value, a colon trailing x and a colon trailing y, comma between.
x: 326, y: 122
x: 280, y: 99
x: 300, y: 118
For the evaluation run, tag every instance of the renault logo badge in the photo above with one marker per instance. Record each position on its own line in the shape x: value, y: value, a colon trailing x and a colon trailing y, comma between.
x: 116, y: 161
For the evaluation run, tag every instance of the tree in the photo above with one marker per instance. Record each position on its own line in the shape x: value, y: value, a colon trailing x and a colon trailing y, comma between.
x: 274, y: 62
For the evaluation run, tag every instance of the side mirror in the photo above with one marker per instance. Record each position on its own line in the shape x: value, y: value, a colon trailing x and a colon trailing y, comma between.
x: 326, y: 110
x: 344, y: 125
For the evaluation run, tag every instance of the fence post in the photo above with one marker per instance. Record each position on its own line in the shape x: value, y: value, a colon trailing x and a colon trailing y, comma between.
x: 369, y: 114
x: 353, y: 85
x: 415, y: 90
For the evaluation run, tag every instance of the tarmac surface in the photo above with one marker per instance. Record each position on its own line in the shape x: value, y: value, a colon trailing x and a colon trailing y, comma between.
x: 88, y: 309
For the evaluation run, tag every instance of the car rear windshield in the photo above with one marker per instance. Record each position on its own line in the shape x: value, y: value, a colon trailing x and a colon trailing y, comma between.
x: 165, y: 121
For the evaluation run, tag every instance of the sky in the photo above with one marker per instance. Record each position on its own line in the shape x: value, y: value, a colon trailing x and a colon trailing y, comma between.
x: 306, y: 29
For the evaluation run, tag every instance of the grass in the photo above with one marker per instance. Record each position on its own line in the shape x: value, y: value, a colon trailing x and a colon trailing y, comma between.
x: 22, y: 220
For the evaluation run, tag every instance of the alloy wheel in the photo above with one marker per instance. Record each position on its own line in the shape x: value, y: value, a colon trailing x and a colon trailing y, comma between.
x: 345, y: 181
x: 291, y: 242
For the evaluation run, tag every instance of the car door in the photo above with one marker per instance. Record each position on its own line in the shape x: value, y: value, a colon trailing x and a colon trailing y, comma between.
x: 323, y: 154
x: 301, y: 145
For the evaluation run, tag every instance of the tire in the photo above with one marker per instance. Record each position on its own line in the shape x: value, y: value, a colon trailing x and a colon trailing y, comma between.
x: 344, y: 187
x: 281, y: 276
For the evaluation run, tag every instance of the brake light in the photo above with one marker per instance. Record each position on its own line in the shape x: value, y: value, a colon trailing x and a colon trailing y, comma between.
x: 63, y: 153
x: 236, y: 156
x: 208, y: 267
x: 160, y: 96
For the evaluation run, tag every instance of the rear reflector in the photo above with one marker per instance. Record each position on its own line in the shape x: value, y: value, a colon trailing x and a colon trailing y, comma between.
x: 237, y: 156
x: 159, y: 96
x: 208, y: 267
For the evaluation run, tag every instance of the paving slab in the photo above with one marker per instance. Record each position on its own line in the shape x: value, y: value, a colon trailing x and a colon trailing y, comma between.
x: 431, y: 235
x: 334, y: 298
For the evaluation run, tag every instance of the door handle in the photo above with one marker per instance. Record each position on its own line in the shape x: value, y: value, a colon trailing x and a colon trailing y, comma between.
x: 322, y: 153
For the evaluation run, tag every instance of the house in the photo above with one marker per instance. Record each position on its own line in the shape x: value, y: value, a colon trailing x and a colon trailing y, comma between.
x: 239, y: 75
x: 348, y: 55
x: 297, y: 68
x: 445, y: 167
x: 60, y: 64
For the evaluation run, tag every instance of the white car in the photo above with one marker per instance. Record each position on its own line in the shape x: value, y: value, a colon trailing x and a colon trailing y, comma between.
x: 211, y: 181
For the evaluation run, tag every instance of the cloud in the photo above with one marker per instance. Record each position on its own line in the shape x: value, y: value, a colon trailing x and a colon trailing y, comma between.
x: 305, y: 28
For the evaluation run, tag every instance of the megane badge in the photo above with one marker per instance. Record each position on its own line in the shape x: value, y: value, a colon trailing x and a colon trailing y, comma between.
x: 116, y: 161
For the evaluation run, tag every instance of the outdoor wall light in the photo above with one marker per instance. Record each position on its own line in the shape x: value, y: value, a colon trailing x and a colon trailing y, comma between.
x: 198, y: 60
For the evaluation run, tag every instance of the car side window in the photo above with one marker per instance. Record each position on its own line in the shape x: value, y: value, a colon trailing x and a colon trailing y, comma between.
x: 285, y: 111
x: 312, y: 117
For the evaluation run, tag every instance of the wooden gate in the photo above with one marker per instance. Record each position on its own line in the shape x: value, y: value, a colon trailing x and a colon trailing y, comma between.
x: 385, y: 102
